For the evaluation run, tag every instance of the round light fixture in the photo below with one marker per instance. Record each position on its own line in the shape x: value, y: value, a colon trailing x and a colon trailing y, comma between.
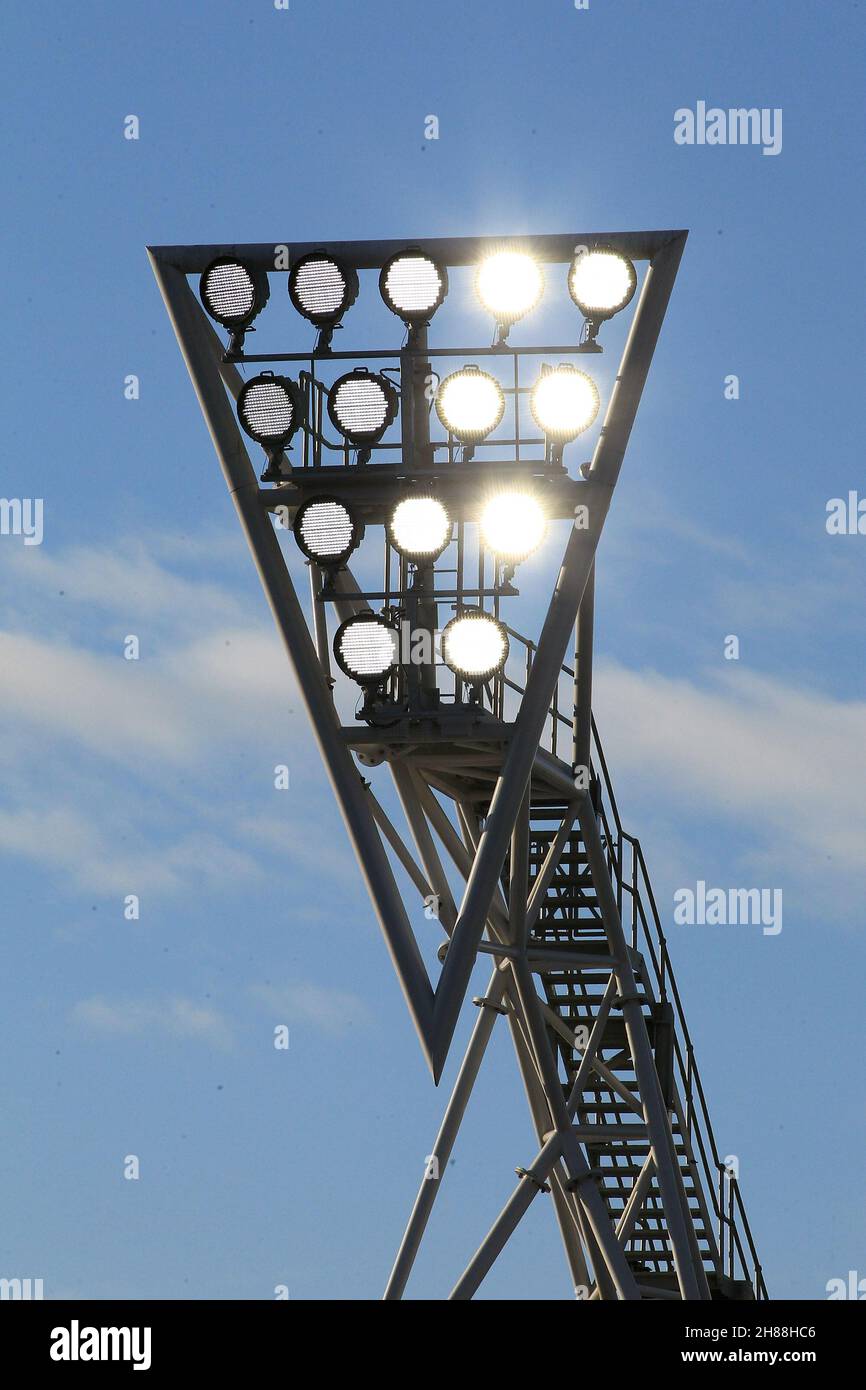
x: 419, y: 528
x: 362, y: 404
x: 365, y: 648
x: 413, y: 286
x: 509, y: 284
x: 564, y: 402
x: 270, y: 409
x: 470, y: 403
x: 326, y: 530
x: 474, y: 645
x: 512, y: 525
x: 233, y: 295
x: 321, y: 288
x: 601, y: 282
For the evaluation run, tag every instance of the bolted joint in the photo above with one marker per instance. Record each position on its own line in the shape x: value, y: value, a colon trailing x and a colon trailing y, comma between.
x: 526, y: 1173
x: 575, y: 1184
x: 482, y: 1002
x: 622, y: 999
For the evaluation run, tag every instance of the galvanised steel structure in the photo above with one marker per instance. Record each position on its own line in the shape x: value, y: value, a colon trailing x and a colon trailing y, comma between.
x: 503, y: 776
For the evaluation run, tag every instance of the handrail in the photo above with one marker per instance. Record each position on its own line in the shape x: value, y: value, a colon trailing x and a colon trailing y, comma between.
x: 646, y: 929
x: 698, y: 1123
x: 693, y: 1079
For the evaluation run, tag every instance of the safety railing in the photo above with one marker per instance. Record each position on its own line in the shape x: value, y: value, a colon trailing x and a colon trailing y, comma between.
x: 738, y: 1257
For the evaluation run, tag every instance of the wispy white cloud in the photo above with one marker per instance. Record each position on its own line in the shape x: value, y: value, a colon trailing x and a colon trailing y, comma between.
x: 750, y: 584
x: 167, y: 707
x: 173, y: 1017
x: 785, y: 767
x: 326, y: 858
x: 137, y: 580
x: 70, y: 840
x: 810, y: 601
x: 109, y: 705
x: 235, y: 670
x: 106, y: 762
x: 332, y: 1011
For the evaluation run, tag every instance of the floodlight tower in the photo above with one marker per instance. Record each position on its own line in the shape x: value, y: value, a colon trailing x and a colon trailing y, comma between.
x: 511, y: 829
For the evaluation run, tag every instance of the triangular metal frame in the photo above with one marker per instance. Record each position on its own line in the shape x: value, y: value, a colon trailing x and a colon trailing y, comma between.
x: 434, y: 1011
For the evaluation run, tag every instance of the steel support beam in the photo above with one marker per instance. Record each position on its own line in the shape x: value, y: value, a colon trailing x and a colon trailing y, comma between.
x: 289, y: 618
x: 567, y: 1208
x: 579, y: 1172
x: 429, y: 1190
x: 389, y: 830
x: 408, y: 791
x: 371, y: 255
x: 582, y: 739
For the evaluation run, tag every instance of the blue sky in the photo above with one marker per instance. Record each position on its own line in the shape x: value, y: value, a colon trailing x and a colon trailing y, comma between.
x: 155, y: 777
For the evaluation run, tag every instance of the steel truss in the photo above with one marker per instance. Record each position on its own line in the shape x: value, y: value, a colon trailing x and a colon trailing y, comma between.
x: 527, y: 841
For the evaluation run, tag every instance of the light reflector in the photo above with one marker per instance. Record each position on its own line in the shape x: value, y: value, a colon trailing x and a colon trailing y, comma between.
x: 321, y: 288
x: 326, y: 530
x: 231, y: 293
x: 365, y: 648
x: 601, y: 282
x: 509, y: 284
x: 512, y: 525
x: 420, y: 528
x: 362, y: 405
x: 474, y: 645
x: 270, y: 409
x: 470, y: 403
x: 413, y: 286
x: 564, y: 402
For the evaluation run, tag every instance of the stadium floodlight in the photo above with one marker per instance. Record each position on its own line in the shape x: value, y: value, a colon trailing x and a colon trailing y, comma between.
x: 564, y: 402
x: 470, y: 403
x: 482, y: 762
x: 419, y: 529
x: 362, y: 404
x: 327, y: 531
x: 322, y: 289
x: 270, y: 409
x: 413, y: 286
x: 233, y: 295
x: 509, y: 284
x: 601, y: 282
x: 365, y: 648
x: 512, y: 524
x: 474, y: 645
